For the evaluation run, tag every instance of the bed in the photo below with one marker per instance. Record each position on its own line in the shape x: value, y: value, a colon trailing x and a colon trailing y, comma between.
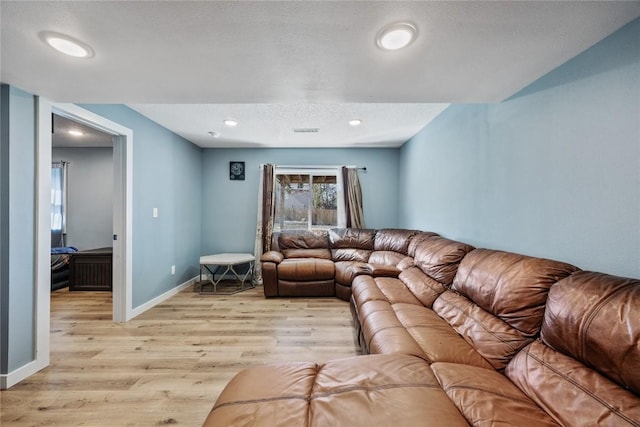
x: 60, y: 260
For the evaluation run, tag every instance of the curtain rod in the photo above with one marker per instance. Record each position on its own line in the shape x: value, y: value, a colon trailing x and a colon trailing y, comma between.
x: 360, y: 168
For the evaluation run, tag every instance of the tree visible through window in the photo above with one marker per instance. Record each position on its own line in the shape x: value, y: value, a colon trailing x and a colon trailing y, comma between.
x: 306, y: 201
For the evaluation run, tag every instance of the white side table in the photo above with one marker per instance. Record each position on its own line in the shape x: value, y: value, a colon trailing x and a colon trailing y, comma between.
x: 210, y: 264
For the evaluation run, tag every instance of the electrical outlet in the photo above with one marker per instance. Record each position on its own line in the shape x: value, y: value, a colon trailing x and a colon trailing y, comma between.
x: 173, y: 269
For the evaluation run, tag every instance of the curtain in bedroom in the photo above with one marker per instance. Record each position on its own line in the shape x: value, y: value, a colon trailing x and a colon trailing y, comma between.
x: 266, y: 213
x: 352, y: 197
x: 59, y: 203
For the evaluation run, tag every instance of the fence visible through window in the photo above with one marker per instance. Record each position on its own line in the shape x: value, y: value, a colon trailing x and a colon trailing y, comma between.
x: 305, y: 202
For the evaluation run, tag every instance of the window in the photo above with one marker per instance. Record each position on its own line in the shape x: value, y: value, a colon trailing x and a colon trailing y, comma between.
x: 57, y: 207
x: 307, y: 199
x: 58, y: 203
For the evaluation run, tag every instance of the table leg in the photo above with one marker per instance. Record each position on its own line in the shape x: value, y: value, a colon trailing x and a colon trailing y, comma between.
x: 213, y: 280
x: 229, y: 268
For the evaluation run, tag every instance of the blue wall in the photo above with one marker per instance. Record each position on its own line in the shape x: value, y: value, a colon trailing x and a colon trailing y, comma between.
x: 90, y: 195
x: 554, y: 171
x: 230, y: 208
x: 166, y: 175
x: 17, y: 231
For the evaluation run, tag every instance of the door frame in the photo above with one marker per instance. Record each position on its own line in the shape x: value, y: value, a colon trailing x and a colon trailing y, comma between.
x: 122, y: 216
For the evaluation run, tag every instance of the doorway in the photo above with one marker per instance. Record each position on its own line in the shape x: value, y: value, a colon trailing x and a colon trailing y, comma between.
x: 81, y: 207
x: 122, y: 140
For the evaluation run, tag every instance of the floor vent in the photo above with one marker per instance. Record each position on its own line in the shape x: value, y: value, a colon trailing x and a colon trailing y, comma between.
x: 306, y: 130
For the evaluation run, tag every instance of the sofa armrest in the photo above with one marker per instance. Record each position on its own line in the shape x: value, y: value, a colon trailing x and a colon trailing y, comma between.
x: 381, y: 270
x: 272, y: 256
x: 269, y: 262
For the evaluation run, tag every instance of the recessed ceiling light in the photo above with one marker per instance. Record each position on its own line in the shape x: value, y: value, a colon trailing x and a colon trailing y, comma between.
x: 75, y: 132
x: 355, y: 122
x: 214, y: 134
x: 66, y: 44
x: 230, y: 122
x: 396, y: 36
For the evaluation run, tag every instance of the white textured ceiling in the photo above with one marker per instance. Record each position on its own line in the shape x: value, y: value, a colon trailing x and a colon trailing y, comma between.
x: 269, y: 125
x: 280, y: 59
x: 90, y: 137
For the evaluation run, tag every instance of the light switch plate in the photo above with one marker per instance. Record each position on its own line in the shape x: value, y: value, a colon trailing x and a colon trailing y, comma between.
x: 155, y: 212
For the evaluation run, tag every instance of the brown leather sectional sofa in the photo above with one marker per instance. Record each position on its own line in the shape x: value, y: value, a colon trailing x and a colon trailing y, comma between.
x: 456, y: 336
x: 307, y: 263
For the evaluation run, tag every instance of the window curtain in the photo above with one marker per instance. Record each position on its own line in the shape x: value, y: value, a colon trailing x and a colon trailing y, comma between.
x: 352, y: 198
x: 266, y: 213
x: 58, y: 203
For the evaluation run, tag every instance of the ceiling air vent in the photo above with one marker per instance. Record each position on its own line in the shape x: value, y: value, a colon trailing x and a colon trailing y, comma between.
x: 306, y: 130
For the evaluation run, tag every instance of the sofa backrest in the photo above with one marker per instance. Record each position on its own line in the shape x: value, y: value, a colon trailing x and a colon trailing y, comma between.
x: 351, y: 244
x: 497, y: 301
x: 439, y: 257
x: 416, y: 241
x: 585, y: 370
x: 391, y: 246
x: 393, y: 239
x: 586, y: 313
x: 304, y: 244
x: 435, y: 263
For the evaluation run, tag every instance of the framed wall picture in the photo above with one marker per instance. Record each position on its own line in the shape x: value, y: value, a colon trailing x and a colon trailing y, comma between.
x: 236, y: 171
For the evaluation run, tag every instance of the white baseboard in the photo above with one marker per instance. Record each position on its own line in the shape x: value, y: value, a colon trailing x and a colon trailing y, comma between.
x: 161, y: 298
x: 13, y: 378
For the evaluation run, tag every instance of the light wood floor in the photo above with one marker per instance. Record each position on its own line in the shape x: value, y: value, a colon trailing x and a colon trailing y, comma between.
x: 168, y: 365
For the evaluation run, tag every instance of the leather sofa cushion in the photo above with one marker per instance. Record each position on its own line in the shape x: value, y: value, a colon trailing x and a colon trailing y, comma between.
x: 393, y: 320
x: 384, y: 334
x: 494, y: 339
x: 307, y: 253
x: 586, y: 313
x: 439, y: 257
x: 367, y: 288
x: 395, y: 240
x: 305, y: 269
x: 386, y: 258
x: 382, y: 270
x: 406, y: 263
x: 360, y: 391
x: 370, y: 307
x: 360, y: 255
x: 410, y: 328
x: 416, y: 241
x: 303, y: 239
x: 438, y: 341
x: 270, y: 395
x: 351, y: 238
x: 485, y: 397
x: 380, y: 390
x: 423, y: 287
x: 510, y: 286
x: 346, y: 271
x: 570, y: 392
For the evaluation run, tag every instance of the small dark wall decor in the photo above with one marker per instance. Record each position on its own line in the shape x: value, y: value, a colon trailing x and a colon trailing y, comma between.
x: 236, y: 171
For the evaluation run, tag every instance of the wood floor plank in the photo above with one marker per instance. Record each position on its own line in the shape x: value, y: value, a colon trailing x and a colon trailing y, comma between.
x: 169, y: 364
